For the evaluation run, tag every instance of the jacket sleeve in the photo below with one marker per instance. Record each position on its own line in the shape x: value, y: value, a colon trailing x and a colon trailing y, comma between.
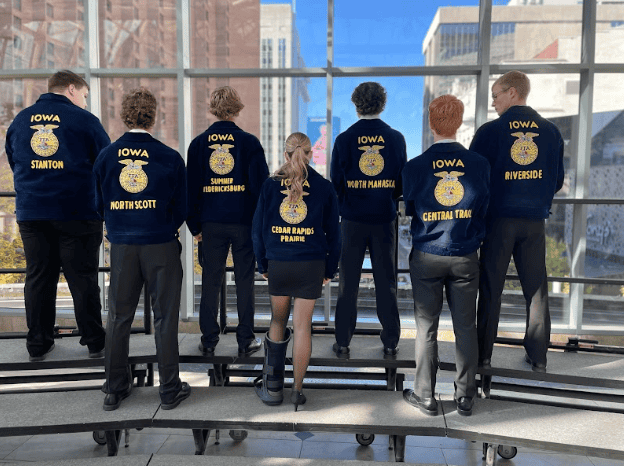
x: 257, y: 228
x: 560, y: 169
x: 97, y: 180
x: 178, y: 199
x: 408, y: 197
x: 331, y: 227
x: 398, y: 189
x: 336, y: 172
x: 258, y: 171
x: 480, y: 144
x: 482, y: 211
x: 99, y: 140
x: 193, y: 189
x: 8, y: 148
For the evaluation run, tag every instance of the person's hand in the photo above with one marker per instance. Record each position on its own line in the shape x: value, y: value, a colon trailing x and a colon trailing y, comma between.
x: 326, y: 281
x: 265, y: 276
x: 198, y: 237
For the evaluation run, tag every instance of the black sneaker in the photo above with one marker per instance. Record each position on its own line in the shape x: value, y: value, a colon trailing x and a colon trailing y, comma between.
x: 206, y: 351
x: 534, y: 366
x: 41, y: 357
x: 182, y: 395
x: 253, y: 346
x: 341, y: 351
x: 97, y: 353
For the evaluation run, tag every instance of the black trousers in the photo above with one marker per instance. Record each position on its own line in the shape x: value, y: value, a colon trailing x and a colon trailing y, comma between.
x: 381, y: 242
x: 431, y: 276
x: 159, y: 266
x: 526, y: 240
x: 217, y: 238
x: 48, y: 246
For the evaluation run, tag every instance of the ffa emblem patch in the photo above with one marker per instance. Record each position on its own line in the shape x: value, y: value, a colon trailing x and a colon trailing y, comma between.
x: 132, y: 177
x: 371, y: 161
x: 293, y: 213
x: 449, y: 191
x: 221, y: 161
x: 524, y: 150
x: 44, y: 142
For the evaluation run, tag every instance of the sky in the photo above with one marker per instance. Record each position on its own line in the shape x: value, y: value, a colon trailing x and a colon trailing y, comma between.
x: 370, y: 33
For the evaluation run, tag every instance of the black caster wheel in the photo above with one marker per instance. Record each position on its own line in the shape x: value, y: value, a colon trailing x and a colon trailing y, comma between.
x: 100, y: 437
x: 507, y: 451
x: 365, y: 439
x: 238, y: 435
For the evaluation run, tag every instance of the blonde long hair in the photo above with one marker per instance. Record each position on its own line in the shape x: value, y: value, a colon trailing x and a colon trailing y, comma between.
x: 298, y: 151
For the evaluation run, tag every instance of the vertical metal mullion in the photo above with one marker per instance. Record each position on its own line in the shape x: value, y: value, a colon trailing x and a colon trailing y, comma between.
x: 583, y: 161
x: 184, y: 134
x: 483, y: 79
x: 329, y: 132
x: 92, y: 60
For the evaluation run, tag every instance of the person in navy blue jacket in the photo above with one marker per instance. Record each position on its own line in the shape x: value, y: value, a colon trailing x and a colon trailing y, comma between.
x: 366, y: 165
x: 296, y: 240
x: 226, y: 168
x: 446, y: 191
x: 51, y: 147
x: 525, y: 152
x: 141, y: 191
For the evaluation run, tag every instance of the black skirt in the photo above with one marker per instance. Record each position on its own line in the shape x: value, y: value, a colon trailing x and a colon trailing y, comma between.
x: 299, y: 279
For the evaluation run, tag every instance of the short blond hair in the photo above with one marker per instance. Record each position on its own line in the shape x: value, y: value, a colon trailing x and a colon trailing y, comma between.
x: 225, y: 103
x: 516, y: 79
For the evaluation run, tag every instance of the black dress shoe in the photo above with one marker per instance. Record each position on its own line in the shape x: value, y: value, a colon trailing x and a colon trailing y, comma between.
x: 41, y: 357
x: 429, y: 406
x: 253, y: 346
x: 464, y: 405
x: 534, y: 366
x: 97, y: 353
x: 173, y: 402
x: 485, y: 363
x: 206, y: 351
x: 341, y: 351
x: 113, y: 400
x: 390, y: 353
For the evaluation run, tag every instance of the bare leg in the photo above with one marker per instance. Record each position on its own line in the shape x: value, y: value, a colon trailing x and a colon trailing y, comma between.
x: 302, y: 347
x: 280, y: 312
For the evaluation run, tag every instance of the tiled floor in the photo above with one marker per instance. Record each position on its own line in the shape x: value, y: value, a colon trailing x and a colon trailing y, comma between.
x: 429, y: 450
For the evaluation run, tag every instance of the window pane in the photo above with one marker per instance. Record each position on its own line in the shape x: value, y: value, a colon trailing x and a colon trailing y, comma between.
x: 252, y: 34
x: 138, y: 37
x: 39, y: 37
x: 165, y: 90
x: 401, y: 33
x: 530, y: 31
x: 609, y: 33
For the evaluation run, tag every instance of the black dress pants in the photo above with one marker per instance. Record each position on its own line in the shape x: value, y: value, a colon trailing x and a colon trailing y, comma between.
x: 48, y: 246
x: 217, y: 238
x: 526, y: 240
x: 381, y: 242
x: 160, y: 267
x: 431, y: 276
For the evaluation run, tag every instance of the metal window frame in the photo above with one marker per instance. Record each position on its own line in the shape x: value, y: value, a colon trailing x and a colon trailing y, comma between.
x: 184, y: 74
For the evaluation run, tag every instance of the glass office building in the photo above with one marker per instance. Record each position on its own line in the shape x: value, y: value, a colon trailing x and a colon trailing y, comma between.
x: 295, y: 61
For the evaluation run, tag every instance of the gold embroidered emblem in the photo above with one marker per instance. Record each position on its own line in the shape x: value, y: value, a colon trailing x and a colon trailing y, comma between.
x: 449, y: 191
x: 293, y: 213
x: 132, y: 177
x: 221, y: 161
x: 524, y: 150
x: 44, y: 142
x: 371, y: 161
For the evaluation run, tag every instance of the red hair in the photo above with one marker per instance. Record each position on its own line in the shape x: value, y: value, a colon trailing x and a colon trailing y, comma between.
x: 446, y: 114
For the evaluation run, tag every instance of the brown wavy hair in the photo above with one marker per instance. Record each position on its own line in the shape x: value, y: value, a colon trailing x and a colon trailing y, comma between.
x: 225, y: 103
x: 446, y: 114
x: 298, y: 150
x: 138, y: 109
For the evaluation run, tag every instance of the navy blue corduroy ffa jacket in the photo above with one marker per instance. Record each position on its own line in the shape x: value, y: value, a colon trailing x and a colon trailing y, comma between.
x: 141, y: 190
x: 366, y: 165
x: 525, y: 152
x: 308, y: 230
x: 226, y: 167
x: 446, y: 191
x: 51, y: 147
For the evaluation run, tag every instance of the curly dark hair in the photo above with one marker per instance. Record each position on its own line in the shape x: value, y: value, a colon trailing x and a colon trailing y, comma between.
x: 138, y: 109
x: 369, y: 98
